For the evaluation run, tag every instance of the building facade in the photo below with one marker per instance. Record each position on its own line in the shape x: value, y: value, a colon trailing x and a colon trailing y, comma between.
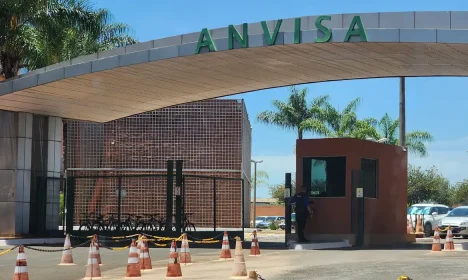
x: 213, y: 138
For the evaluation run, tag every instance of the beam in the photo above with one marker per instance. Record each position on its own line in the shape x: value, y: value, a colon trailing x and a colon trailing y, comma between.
x: 402, y: 118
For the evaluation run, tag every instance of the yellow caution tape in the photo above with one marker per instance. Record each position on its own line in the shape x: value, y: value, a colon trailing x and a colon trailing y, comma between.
x: 8, y: 251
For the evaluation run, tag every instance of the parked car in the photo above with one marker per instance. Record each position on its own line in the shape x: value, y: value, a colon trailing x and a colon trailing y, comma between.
x: 457, y: 219
x: 270, y: 219
x: 259, y: 220
x: 282, y: 225
x: 431, y: 214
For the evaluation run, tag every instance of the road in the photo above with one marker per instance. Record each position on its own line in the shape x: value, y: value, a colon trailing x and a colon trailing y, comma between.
x: 417, y: 262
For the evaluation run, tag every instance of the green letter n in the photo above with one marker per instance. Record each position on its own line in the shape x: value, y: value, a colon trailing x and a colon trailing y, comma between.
x: 205, y: 41
x: 234, y: 34
x: 356, y: 32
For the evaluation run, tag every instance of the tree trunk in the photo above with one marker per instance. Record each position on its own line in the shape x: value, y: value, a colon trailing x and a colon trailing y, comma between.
x: 299, y: 133
x: 10, y: 64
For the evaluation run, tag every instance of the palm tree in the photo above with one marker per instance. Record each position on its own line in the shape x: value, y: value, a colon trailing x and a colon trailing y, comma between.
x: 415, y: 140
x: 338, y: 124
x: 294, y: 112
x: 37, y: 33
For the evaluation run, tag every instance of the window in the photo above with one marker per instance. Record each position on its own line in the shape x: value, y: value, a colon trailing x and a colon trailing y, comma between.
x: 442, y: 210
x: 325, y: 176
x: 369, y: 169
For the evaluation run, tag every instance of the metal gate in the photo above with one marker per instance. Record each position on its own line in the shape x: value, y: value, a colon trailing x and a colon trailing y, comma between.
x: 127, y: 204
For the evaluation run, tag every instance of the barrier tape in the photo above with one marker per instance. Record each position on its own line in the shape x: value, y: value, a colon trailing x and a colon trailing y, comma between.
x: 8, y: 251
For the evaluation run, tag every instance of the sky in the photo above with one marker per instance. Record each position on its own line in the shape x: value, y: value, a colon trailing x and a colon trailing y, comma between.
x: 436, y: 105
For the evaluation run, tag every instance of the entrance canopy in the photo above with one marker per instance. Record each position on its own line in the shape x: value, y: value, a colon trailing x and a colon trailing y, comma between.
x: 212, y: 63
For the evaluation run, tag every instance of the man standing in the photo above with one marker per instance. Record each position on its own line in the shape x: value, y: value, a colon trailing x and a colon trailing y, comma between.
x: 303, y: 211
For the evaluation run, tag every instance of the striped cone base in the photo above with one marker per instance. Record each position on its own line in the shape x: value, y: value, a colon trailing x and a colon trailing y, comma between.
x: 225, y: 249
x: 133, y: 266
x: 145, y: 259
x: 173, y: 267
x: 67, y: 258
x: 449, y: 246
x: 21, y: 268
x: 185, y: 256
x: 436, y: 247
x: 93, y: 271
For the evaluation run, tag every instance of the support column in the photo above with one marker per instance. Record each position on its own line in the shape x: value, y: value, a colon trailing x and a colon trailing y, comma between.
x: 15, y: 171
x: 402, y: 118
x: 54, y: 166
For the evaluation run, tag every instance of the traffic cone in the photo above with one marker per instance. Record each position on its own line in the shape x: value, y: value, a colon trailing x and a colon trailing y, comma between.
x: 254, y: 248
x: 98, y: 254
x: 145, y: 259
x: 67, y: 258
x: 239, y: 270
x: 139, y: 244
x: 449, y: 246
x: 133, y: 267
x: 21, y: 268
x: 93, y: 271
x: 173, y: 267
x: 185, y: 256
x: 409, y: 226
x: 436, y: 247
x: 419, y: 227
x: 225, y: 248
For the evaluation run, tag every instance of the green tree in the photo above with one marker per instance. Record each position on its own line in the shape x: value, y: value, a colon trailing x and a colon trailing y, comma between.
x: 337, y: 124
x: 460, y: 193
x: 415, y: 140
x: 428, y: 185
x: 262, y: 178
x: 37, y: 33
x: 294, y: 112
x: 277, y: 191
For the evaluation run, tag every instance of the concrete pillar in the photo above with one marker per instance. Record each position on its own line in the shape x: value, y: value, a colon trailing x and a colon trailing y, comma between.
x: 30, y: 148
x: 54, y: 164
x: 15, y: 171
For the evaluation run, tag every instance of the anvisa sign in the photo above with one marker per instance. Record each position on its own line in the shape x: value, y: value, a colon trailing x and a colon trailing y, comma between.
x: 356, y: 28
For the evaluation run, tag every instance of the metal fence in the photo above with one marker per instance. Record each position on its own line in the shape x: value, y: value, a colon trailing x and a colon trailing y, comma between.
x: 135, y: 203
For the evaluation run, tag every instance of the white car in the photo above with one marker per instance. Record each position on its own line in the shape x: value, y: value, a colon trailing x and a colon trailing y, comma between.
x: 457, y: 219
x: 431, y: 214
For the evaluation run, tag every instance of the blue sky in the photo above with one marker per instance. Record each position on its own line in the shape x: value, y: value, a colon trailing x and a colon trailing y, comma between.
x: 437, y: 105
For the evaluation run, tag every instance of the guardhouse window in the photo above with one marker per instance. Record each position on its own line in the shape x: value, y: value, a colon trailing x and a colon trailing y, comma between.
x: 369, y: 169
x: 325, y: 176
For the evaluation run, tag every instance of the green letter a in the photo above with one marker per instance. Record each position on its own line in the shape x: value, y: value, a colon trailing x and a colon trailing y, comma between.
x: 205, y: 41
x: 356, y: 32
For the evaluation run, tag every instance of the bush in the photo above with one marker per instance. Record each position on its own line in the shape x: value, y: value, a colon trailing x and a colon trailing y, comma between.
x: 273, y: 226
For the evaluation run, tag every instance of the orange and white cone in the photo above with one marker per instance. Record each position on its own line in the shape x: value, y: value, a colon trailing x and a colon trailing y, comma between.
x: 185, y: 256
x: 239, y: 270
x: 449, y: 246
x: 21, y: 268
x: 173, y: 267
x: 139, y: 243
x: 225, y: 249
x: 93, y: 271
x: 409, y: 226
x: 145, y: 259
x: 98, y: 254
x: 67, y: 258
x: 436, y: 247
x: 419, y: 227
x: 254, y: 248
x: 133, y: 267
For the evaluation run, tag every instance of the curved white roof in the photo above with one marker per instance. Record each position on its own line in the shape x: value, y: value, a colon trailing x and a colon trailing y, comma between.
x: 109, y: 85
